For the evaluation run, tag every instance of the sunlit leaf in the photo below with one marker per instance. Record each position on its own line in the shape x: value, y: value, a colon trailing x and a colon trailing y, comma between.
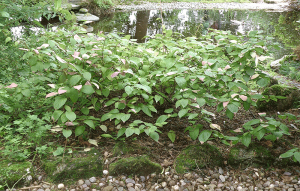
x: 67, y: 133
x: 93, y: 142
x: 172, y: 135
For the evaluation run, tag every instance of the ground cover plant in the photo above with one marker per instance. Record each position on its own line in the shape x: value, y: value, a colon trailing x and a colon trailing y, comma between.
x: 72, y: 83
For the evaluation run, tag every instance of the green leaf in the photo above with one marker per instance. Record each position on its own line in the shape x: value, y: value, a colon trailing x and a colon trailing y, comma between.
x: 85, y: 110
x: 146, y: 110
x: 4, y: 14
x: 73, y: 95
x: 59, y: 102
x: 144, y: 87
x: 204, y: 136
x: 184, y: 102
x: 121, y: 132
x: 182, y: 112
x: 252, y: 122
x: 79, y: 130
x: 59, y: 151
x: 70, y: 115
x: 287, y: 154
x: 229, y: 114
x: 172, y: 135
x: 129, y: 132
x: 74, y: 80
x: 193, y: 115
x: 128, y: 90
x: 26, y: 92
x: 180, y: 81
x: 297, y: 156
x: 201, y: 101
x: 262, y: 82
x: 56, y: 114
x: 67, y: 133
x: 7, y: 39
x: 170, y: 110
x: 246, y: 139
x: 105, y: 92
x: 194, y: 132
x: 87, y: 89
x: 87, y: 75
x: 233, y: 108
x: 161, y: 119
x: 125, y: 117
x: 89, y: 123
x: 106, y: 136
x: 154, y: 136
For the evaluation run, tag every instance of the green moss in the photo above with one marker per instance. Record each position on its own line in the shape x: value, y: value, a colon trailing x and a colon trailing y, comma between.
x: 11, y: 172
x: 134, y: 166
x: 122, y: 148
x: 198, y: 156
x: 292, y: 96
x: 73, y: 168
x: 255, y: 155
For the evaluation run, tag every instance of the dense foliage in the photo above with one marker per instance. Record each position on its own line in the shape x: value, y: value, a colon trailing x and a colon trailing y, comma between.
x: 70, y: 82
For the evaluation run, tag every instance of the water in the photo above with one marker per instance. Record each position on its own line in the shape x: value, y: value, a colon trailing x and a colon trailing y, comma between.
x: 138, y: 24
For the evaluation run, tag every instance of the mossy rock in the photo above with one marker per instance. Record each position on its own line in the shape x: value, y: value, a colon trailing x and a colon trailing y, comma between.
x: 74, y: 167
x: 198, y: 156
x: 292, y: 96
x: 140, y: 166
x: 11, y: 172
x: 255, y: 155
x: 122, y: 148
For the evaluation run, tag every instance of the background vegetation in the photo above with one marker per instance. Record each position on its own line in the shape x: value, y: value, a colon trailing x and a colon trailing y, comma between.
x: 68, y: 82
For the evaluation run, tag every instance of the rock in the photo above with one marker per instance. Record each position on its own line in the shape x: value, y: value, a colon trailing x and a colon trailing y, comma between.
x: 80, y: 182
x: 86, y: 17
x: 134, y: 166
x: 92, y: 179
x: 172, y: 183
x: 83, y: 10
x: 105, y: 172
x: 87, y: 182
x: 108, y: 188
x: 129, y: 180
x: 203, y: 154
x: 277, y: 63
x: 60, y: 186
x: 292, y: 96
x: 222, y: 178
x: 77, y: 167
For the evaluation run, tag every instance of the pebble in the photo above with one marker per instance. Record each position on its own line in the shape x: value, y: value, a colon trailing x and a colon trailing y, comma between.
x: 60, y: 186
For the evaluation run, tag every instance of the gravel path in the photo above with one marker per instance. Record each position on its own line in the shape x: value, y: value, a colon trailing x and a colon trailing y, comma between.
x: 198, y: 5
x: 217, y: 179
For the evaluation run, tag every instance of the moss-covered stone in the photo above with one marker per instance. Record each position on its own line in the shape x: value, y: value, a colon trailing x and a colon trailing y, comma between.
x: 198, y: 156
x: 292, y: 96
x: 75, y: 167
x: 140, y: 166
x: 122, y: 148
x: 255, y: 155
x: 12, y: 172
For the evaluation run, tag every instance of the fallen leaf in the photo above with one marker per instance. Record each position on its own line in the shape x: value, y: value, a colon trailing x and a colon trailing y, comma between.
x: 93, y: 142
x: 13, y: 85
x: 215, y: 126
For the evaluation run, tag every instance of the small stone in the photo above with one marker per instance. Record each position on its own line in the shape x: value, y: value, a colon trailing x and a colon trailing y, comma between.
x: 84, y: 186
x: 87, y: 182
x: 131, y: 189
x: 164, y: 184
x: 222, y: 178
x: 40, y: 189
x: 29, y: 178
x: 221, y: 170
x: 142, y: 178
x: 60, y: 186
x: 129, y: 185
x: 92, y: 179
x: 80, y: 182
x: 129, y: 180
x: 101, y: 184
x: 105, y: 172
x: 188, y: 175
x: 108, y: 188
x: 120, y: 188
x: 40, y: 178
x: 172, y: 183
